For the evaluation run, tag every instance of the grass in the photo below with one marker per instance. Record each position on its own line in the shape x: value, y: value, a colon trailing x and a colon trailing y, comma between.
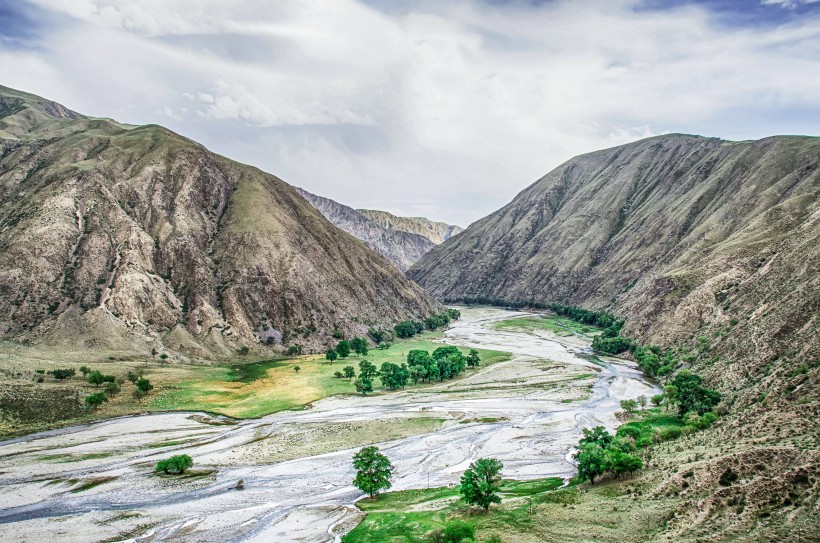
x: 408, y: 516
x: 259, y: 388
x: 557, y: 325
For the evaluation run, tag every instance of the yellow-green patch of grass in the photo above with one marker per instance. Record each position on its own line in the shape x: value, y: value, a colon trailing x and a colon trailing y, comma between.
x: 91, y: 483
x: 556, y: 325
x: 260, y: 388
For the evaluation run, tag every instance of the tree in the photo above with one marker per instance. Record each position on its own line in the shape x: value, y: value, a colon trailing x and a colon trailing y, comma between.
x: 343, y: 348
x: 445, y: 352
x: 373, y: 471
x: 296, y: 368
x: 481, y: 482
x: 176, y: 464
x: 597, y: 435
x: 630, y: 406
x: 96, y: 378
x: 243, y: 350
x: 133, y: 376
x: 85, y: 370
x: 642, y: 401
x: 591, y: 461
x: 143, y: 385
x: 62, y: 374
x: 153, y: 352
x: 112, y: 388
x: 363, y: 385
x: 331, y: 355
x: 95, y: 400
x: 405, y: 329
x: 164, y: 356
x: 394, y: 376
x: 349, y: 372
x: 473, y: 360
x: 620, y: 462
x: 692, y: 396
x: 377, y: 335
x: 359, y: 346
x: 657, y: 399
x: 294, y: 350
x: 367, y: 370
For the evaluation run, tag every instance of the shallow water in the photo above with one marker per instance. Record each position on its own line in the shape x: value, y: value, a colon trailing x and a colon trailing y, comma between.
x: 310, y: 498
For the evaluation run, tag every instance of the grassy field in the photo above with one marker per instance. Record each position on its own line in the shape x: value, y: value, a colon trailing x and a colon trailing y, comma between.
x: 264, y: 387
x: 557, y: 325
x: 408, y: 516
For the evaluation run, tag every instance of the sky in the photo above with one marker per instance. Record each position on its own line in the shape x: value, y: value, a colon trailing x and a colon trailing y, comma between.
x: 444, y: 109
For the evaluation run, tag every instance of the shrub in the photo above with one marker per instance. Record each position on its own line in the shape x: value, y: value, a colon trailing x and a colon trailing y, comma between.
x: 455, y: 531
x: 112, y: 388
x: 670, y: 432
x: 95, y: 400
x: 62, y: 374
x: 175, y: 465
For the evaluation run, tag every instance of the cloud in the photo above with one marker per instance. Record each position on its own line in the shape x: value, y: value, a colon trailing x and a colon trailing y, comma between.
x: 439, y: 108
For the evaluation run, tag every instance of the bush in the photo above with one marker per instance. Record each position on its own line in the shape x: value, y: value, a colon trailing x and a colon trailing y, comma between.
x: 62, y: 374
x: 670, y: 432
x: 455, y: 531
x: 95, y: 400
x: 175, y: 465
x: 112, y: 388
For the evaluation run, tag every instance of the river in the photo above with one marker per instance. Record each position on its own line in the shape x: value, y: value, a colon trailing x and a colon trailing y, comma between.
x: 527, y: 412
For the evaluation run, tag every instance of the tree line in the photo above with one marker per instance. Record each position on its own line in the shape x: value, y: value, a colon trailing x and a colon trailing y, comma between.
x: 410, y: 328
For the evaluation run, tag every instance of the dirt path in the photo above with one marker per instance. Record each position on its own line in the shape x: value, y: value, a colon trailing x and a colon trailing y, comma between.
x: 95, y: 482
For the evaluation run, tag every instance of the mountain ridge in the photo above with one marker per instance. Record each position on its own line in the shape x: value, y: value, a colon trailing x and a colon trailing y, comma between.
x: 130, y: 236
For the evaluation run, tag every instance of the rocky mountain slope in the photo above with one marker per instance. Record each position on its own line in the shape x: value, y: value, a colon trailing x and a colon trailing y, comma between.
x: 130, y: 236
x: 701, y: 244
x: 402, y: 240
x: 436, y: 231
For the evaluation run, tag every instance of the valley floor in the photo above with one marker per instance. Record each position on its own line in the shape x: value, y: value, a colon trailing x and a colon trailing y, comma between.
x: 96, y: 482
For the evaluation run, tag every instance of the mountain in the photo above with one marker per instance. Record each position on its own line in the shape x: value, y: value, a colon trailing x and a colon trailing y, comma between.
x: 437, y: 232
x: 708, y: 246
x: 126, y: 236
x: 402, y: 240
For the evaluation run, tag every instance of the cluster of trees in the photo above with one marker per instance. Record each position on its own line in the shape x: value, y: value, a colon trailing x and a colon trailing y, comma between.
x: 113, y: 385
x: 610, y: 323
x: 410, y: 328
x: 480, y: 483
x: 444, y: 363
x: 599, y: 452
x: 343, y: 349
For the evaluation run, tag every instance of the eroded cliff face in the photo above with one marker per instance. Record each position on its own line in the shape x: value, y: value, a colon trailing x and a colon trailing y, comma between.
x: 400, y: 247
x: 436, y: 231
x: 130, y: 236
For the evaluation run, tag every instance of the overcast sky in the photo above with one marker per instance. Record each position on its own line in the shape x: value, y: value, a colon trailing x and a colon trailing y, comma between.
x: 445, y: 109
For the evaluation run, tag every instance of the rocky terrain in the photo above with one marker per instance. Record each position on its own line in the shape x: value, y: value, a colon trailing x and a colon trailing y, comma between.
x: 696, y: 242
x: 402, y: 240
x: 436, y: 231
x: 128, y: 237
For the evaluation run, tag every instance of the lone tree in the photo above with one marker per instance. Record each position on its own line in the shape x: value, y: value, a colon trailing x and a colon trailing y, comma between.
x: 331, y: 355
x: 481, y: 481
x: 691, y: 395
x: 349, y: 372
x: 95, y: 400
x: 629, y: 406
x: 96, y: 378
x: 143, y: 386
x: 373, y: 471
x: 175, y: 465
x: 296, y: 369
x: 62, y: 373
x: 154, y: 352
x: 473, y: 360
x: 343, y: 348
x: 367, y: 370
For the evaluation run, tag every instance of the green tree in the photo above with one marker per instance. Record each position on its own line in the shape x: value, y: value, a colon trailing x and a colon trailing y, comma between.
x: 349, y: 372
x: 294, y: 350
x: 243, y: 350
x: 642, y: 400
x: 176, y: 464
x: 144, y: 385
x: 405, y: 329
x: 692, y: 396
x: 164, y: 357
x: 597, y: 435
x: 363, y: 385
x: 359, y: 346
x: 297, y: 368
x: 331, y: 355
x: 394, y: 376
x: 154, y: 352
x: 95, y: 400
x: 481, y: 482
x: 591, y: 460
x: 133, y: 376
x: 85, y: 370
x: 620, y: 462
x: 112, y: 388
x: 373, y: 471
x: 343, y: 348
x: 629, y: 406
x: 657, y: 399
x: 377, y: 335
x: 63, y: 373
x: 96, y: 378
x: 473, y: 359
x: 367, y: 370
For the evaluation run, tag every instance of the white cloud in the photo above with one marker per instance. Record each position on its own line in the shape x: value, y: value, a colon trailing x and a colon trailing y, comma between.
x: 447, y: 109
